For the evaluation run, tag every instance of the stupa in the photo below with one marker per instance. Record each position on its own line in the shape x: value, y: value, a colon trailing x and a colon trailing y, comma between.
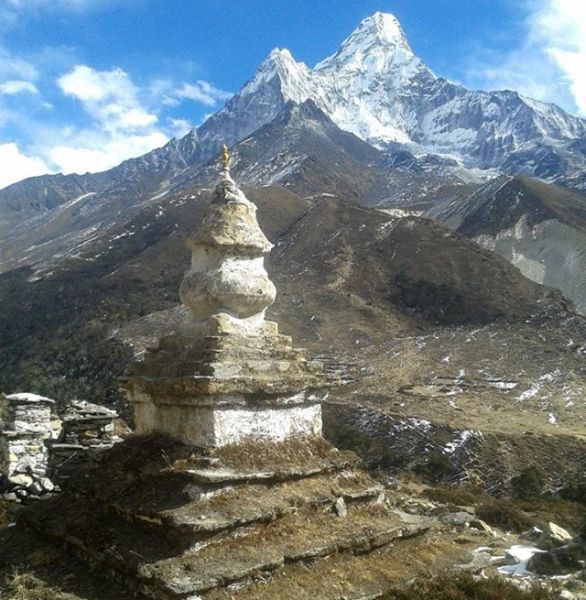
x: 228, y: 375
x: 229, y: 491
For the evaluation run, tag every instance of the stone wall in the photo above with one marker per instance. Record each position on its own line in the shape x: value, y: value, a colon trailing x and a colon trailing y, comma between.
x: 24, y: 456
x: 39, y: 451
x: 87, y: 430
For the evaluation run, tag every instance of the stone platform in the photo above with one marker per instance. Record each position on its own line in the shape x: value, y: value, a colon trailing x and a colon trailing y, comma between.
x: 221, y: 389
x: 177, y: 522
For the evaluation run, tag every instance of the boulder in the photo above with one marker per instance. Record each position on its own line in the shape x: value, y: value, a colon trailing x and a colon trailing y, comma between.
x: 340, y: 507
x: 47, y: 484
x: 560, y: 561
x: 553, y: 536
x: 418, y: 506
x: 22, y: 480
x: 458, y: 519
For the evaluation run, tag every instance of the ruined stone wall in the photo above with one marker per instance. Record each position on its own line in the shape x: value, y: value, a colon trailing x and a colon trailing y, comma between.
x: 87, y: 430
x: 24, y: 457
x: 39, y: 451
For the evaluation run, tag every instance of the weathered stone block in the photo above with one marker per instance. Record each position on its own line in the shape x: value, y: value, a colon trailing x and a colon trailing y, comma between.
x: 228, y: 423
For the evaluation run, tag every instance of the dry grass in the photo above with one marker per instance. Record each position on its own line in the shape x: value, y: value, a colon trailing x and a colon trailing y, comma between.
x: 519, y: 515
x: 144, y: 453
x: 504, y: 515
x: 5, y: 518
x: 290, y: 453
x: 464, y: 586
x: 512, y: 514
x: 31, y: 569
x: 465, y: 495
x: 346, y: 575
x: 24, y: 586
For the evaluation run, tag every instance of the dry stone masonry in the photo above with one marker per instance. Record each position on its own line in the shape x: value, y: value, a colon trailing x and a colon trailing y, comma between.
x: 24, y: 457
x: 228, y: 375
x: 39, y: 450
x: 87, y: 430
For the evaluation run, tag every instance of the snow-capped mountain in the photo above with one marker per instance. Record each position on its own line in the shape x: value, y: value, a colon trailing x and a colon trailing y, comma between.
x: 375, y: 87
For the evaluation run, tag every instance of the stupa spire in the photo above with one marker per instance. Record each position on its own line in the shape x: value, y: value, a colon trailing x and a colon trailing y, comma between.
x: 227, y: 288
x: 225, y: 158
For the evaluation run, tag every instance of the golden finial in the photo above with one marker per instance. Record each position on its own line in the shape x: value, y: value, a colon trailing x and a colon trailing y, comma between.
x: 224, y: 157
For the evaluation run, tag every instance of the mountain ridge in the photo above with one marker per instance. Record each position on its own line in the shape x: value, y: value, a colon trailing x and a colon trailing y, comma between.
x: 538, y: 227
x: 371, y: 91
x: 374, y: 86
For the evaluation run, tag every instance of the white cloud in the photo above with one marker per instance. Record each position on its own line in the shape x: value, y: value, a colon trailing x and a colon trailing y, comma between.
x: 109, y: 97
x: 88, y: 85
x: 17, y: 86
x: 17, y: 166
x: 13, y: 67
x: 120, y: 119
x: 122, y: 125
x: 180, y: 127
x: 549, y: 63
x: 201, y: 91
x: 105, y: 154
x: 561, y: 24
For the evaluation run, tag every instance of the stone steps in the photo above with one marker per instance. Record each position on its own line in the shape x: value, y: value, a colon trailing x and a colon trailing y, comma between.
x: 100, y: 536
x: 192, y: 386
x: 175, y: 522
x: 220, y: 365
x: 164, y: 565
x: 344, y: 576
x: 159, y: 468
x: 242, y: 353
x: 206, y: 493
x: 229, y: 342
x: 181, y: 353
x: 293, y: 538
x: 230, y: 507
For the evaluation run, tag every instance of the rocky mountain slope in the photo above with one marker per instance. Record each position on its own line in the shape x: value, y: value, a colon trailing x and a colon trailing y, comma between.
x: 43, y: 216
x: 432, y: 327
x: 540, y: 228
x: 301, y: 149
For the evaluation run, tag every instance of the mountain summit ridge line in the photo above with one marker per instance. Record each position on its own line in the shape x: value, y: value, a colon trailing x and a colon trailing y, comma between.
x: 375, y: 87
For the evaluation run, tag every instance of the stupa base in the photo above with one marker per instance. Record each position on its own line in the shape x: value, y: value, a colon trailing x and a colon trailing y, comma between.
x: 220, y: 421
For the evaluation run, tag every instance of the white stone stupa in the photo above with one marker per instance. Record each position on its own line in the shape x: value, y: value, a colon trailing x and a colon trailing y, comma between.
x: 228, y: 375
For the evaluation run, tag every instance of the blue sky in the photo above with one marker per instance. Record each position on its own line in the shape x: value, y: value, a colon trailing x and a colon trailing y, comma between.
x: 87, y: 83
